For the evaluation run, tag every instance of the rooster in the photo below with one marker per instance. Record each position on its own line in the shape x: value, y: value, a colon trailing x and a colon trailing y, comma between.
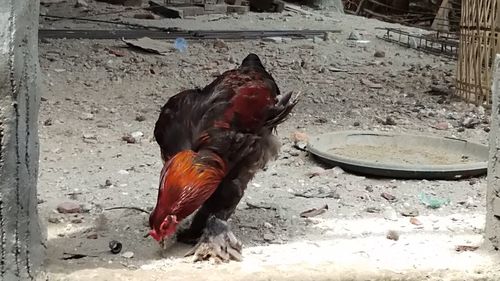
x: 213, y: 141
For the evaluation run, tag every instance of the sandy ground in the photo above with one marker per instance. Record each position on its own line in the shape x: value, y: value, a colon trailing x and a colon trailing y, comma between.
x: 92, y: 98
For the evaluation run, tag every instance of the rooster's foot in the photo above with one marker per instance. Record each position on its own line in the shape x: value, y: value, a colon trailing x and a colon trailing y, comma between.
x: 217, y: 243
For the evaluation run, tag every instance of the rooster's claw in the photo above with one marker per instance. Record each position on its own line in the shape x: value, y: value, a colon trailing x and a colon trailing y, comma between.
x: 217, y: 243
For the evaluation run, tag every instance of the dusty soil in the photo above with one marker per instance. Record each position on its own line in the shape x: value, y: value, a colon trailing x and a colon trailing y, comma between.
x: 92, y: 98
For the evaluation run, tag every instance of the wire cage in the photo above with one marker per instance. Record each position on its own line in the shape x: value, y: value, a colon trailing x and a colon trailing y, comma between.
x: 479, y: 43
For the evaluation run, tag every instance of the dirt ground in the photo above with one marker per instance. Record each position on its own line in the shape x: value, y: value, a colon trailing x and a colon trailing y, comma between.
x: 92, y: 98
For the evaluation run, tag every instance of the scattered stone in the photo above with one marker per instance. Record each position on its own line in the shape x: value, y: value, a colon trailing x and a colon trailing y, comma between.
x: 315, y: 171
x: 274, y: 39
x: 268, y: 237
x: 379, y: 54
x: 314, y: 212
x: 76, y: 220
x: 336, y: 171
x: 81, y: 4
x: 388, y: 197
x: 356, y: 124
x: 117, y: 53
x: 461, y: 129
x: 470, y: 123
x: 389, y: 120
x: 137, y: 135
x: 415, y: 221
x: 354, y: 35
x: 369, y: 188
x: 410, y: 212
x: 93, y: 236
x: 86, y: 207
x: 371, y: 84
x: 54, y: 219
x: 373, y: 210
x: 129, y: 139
x: 390, y: 214
x: 69, y: 208
x: 317, y: 39
x: 268, y: 225
x: 442, y: 126
x: 220, y: 44
x: 48, y: 122
x: 466, y: 248
x: 128, y: 255
x: 87, y: 116
x: 300, y: 140
x: 392, y: 235
x: 89, y: 138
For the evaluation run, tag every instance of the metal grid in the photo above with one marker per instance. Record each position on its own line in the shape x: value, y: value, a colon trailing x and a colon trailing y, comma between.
x: 437, y: 43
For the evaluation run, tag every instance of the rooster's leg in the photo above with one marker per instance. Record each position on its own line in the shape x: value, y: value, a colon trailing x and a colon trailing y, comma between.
x: 209, y: 227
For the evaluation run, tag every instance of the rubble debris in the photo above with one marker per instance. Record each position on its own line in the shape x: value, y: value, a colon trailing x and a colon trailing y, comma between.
x: 388, y: 197
x: 466, y: 248
x: 371, y: 84
x: 379, y: 54
x: 314, y: 212
x: 415, y: 221
x: 128, y: 255
x: 373, y: 210
x: 69, y: 208
x: 354, y: 35
x: 392, y: 235
x: 432, y: 201
x: 149, y: 45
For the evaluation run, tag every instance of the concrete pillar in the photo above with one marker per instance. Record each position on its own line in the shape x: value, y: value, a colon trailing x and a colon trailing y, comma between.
x: 21, y: 244
x: 492, y: 236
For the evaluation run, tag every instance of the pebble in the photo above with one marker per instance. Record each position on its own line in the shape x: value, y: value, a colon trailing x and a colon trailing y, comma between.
x: 54, y: 219
x: 274, y: 39
x: 315, y: 171
x: 69, y: 208
x: 354, y: 35
x: 268, y: 225
x: 137, y: 135
x: 390, y: 214
x: 93, y: 236
x: 81, y: 4
x: 356, y: 124
x: 140, y: 118
x: 128, y: 255
x: 379, y: 54
x: 268, y: 237
x: 392, y: 235
x: 415, y: 221
x: 87, y: 116
x: 442, y: 126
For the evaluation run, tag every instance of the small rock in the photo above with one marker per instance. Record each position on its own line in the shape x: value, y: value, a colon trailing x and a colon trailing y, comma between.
x: 389, y: 120
x: 108, y: 183
x: 390, y: 214
x: 356, y: 124
x: 220, y: 44
x: 129, y: 139
x: 86, y: 207
x: 48, y: 122
x: 392, y: 235
x: 388, y: 197
x: 409, y: 212
x: 93, y: 236
x: 76, y: 220
x: 123, y: 172
x: 373, y: 210
x: 379, y: 54
x: 369, y: 188
x: 300, y: 140
x: 415, y: 221
x: 69, y: 208
x: 128, y: 255
x: 268, y: 225
x: 137, y: 135
x: 89, y: 138
x: 442, y: 126
x: 144, y: 16
x: 317, y: 39
x: 336, y: 171
x: 354, y: 35
x: 81, y: 4
x: 268, y: 237
x: 371, y: 84
x: 87, y: 116
x: 274, y: 39
x: 315, y: 171
x: 470, y: 123
x: 54, y: 219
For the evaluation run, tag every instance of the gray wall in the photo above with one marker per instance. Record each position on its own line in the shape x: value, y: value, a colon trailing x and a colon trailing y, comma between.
x: 21, y: 248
